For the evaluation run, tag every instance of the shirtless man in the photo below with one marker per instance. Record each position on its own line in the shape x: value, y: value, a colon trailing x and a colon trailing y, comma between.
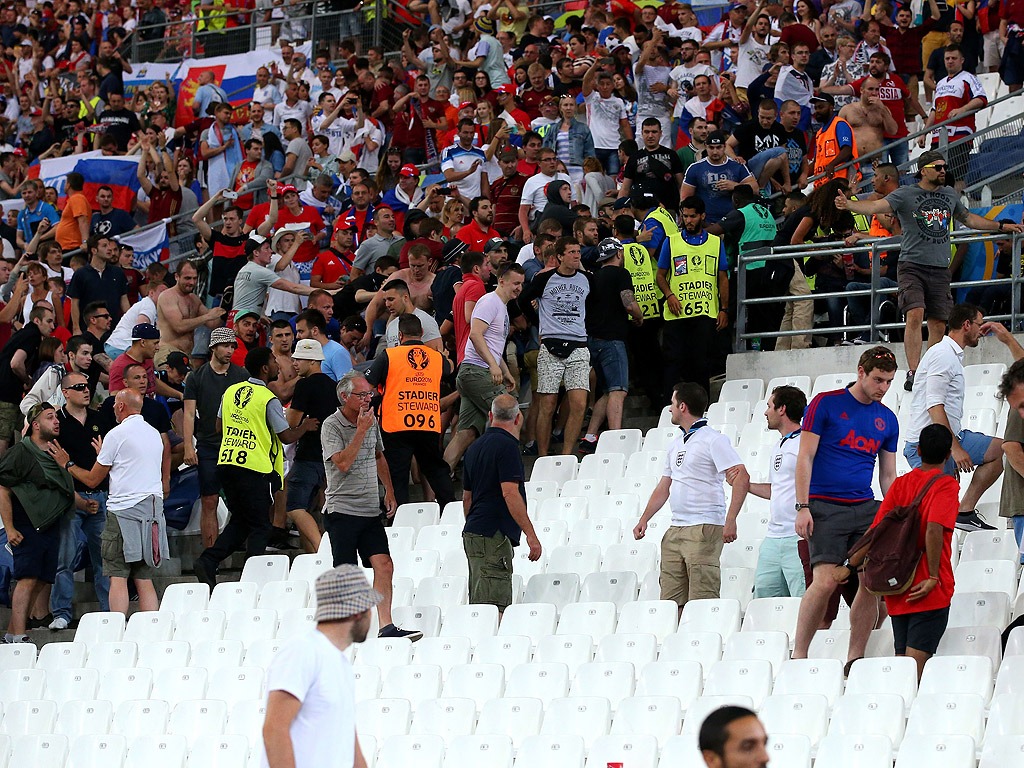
x: 180, y: 312
x: 281, y: 339
x: 418, y: 277
x: 870, y: 120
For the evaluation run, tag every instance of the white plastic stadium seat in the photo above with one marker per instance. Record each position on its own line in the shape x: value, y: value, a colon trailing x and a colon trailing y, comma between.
x: 492, y: 751
x: 516, y: 718
x: 39, y: 751
x: 308, y: 567
x: 657, y: 716
x: 721, y: 616
x: 97, y: 751
x: 17, y: 656
x: 750, y: 390
x: 616, y: 587
x: 237, y: 684
x: 479, y: 683
x: 860, y: 714
x: 151, y: 751
x: 1002, y: 751
x: 199, y: 717
x: 100, y: 627
x: 417, y: 564
x: 445, y: 651
x: 542, y: 681
x: 751, y: 678
x: 382, y: 718
x: 282, y: 596
x: 30, y: 717
x: 936, y: 751
x: 65, y: 685
x: 949, y: 714
x: 639, y: 649
x: 855, y: 751
x: 584, y: 716
x: 230, y: 596
x: 723, y: 412
x: 54, y: 656
x: 120, y: 685
x: 174, y: 685
x: 557, y: 587
x: 446, y: 592
x: 19, y: 684
x: 601, y: 466
x: 557, y: 468
x: 209, y: 654
x: 646, y: 464
x: 623, y: 441
x: 446, y: 717
x: 263, y: 569
x: 414, y: 682
x: 536, y: 491
x: 811, y: 676
x: 958, y: 674
x: 772, y: 647
x: 657, y: 617
x: 640, y: 557
x: 420, y: 750
x: 472, y: 621
x: 681, y: 679
x: 971, y: 641
x: 551, y: 752
x: 660, y: 438
x: 136, y: 718
x: 223, y: 751
x: 888, y: 675
x: 84, y: 717
x: 705, y: 648
x: 533, y: 620
x: 418, y: 515
x: 601, y: 532
x: 984, y: 374
x: 827, y: 382
x: 592, y: 619
x: 796, y: 713
x: 802, y: 383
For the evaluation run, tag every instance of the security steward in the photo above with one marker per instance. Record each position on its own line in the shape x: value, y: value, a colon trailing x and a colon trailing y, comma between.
x: 250, y: 464
x: 693, y: 275
x: 834, y: 143
x: 409, y: 379
x: 656, y: 224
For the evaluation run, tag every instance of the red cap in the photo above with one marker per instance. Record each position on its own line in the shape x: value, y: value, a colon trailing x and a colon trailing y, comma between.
x: 35, y: 112
x: 465, y: 104
x: 409, y: 171
x: 19, y: 152
x: 286, y: 188
x: 506, y: 88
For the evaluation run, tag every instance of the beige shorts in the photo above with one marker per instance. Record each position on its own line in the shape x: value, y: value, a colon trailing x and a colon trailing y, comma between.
x: 572, y: 371
x: 691, y: 563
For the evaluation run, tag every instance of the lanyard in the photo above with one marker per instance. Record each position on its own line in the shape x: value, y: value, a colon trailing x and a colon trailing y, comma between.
x: 693, y: 429
x: 794, y: 433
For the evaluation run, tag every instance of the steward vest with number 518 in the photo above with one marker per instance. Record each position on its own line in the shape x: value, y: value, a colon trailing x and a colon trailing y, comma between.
x: 246, y: 439
x: 642, y: 270
x: 412, y: 391
x: 693, y: 277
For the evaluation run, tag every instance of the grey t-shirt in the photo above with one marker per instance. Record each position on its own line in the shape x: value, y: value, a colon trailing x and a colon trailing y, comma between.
x: 251, y: 285
x: 303, y: 153
x: 431, y: 330
x: 207, y: 388
x: 652, y: 104
x: 353, y: 492
x: 371, y: 249
x: 562, y: 304
x: 925, y: 217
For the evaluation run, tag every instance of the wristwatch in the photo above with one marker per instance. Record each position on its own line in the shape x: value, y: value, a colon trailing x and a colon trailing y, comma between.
x: 849, y: 566
x: 802, y: 506
x: 69, y: 464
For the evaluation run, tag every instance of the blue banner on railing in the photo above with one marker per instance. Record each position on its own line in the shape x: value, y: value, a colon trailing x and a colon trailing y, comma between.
x: 980, y: 259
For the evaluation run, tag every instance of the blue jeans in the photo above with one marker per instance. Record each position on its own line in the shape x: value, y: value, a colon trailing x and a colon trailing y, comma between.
x: 756, y: 163
x: 898, y: 151
x: 609, y: 360
x: 609, y: 160
x: 69, y: 556
x: 112, y: 352
x: 860, y: 308
x: 1018, y: 531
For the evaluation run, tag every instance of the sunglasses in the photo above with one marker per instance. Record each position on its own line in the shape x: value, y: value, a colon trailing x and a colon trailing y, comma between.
x: 82, y: 387
x: 102, y: 317
x: 937, y: 166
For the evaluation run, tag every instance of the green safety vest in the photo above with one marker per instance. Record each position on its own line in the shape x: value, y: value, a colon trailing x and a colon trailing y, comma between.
x: 643, y: 271
x: 246, y: 439
x: 759, y: 230
x: 693, y: 277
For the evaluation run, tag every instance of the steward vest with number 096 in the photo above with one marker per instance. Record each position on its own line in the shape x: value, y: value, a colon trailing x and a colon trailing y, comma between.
x: 641, y: 268
x: 246, y: 439
x: 412, y: 391
x: 693, y: 277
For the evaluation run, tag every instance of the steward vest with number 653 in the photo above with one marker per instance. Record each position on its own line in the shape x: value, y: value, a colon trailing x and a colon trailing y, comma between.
x: 640, y: 265
x: 246, y: 439
x: 412, y: 391
x: 693, y: 277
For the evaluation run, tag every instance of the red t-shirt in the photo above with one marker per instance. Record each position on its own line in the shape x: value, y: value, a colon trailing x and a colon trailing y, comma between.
x: 1012, y: 11
x: 163, y: 204
x: 472, y: 289
x: 526, y: 168
x: 308, y: 215
x: 531, y: 101
x: 331, y: 266
x: 892, y: 90
x: 246, y: 173
x: 408, y: 126
x: 940, y: 506
x: 116, y: 373
x: 238, y: 356
x: 436, y: 251
x: 474, y: 237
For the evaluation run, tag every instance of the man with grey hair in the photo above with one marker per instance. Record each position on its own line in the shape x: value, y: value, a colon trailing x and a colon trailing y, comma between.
x: 353, y: 453
x: 494, y: 501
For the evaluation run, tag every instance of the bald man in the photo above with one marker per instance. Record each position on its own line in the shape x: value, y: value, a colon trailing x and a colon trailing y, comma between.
x: 131, y: 454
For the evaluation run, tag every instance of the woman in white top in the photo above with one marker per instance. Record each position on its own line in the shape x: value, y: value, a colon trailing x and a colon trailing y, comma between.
x: 282, y: 304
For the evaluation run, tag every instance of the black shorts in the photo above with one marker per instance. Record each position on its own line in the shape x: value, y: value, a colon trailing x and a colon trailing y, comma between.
x: 837, y: 527
x: 921, y: 631
x: 209, y: 482
x: 352, y: 536
x: 36, y: 556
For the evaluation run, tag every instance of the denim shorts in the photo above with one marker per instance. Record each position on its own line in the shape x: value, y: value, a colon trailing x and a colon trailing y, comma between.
x: 305, y: 479
x: 975, y: 443
x: 611, y: 364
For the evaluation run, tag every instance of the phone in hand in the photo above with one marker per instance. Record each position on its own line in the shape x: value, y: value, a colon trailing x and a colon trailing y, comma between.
x: 229, y: 195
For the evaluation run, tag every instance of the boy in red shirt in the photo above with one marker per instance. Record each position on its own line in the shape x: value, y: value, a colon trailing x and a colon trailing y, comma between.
x: 919, y: 615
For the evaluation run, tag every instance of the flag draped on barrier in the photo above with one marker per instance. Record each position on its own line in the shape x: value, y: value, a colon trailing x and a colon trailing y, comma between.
x: 150, y: 245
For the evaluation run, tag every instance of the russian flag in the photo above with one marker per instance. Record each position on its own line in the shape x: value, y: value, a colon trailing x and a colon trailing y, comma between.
x: 116, y: 172
x: 150, y: 245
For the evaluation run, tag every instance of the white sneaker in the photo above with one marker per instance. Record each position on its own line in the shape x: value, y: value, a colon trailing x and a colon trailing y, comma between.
x: 59, y: 623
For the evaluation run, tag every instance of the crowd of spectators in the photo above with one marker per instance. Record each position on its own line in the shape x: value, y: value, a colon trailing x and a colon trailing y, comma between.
x: 562, y: 211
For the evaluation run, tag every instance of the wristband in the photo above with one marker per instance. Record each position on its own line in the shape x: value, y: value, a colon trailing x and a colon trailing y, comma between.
x: 273, y: 198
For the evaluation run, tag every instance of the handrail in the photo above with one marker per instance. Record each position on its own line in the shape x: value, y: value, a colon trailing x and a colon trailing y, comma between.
x: 875, y: 247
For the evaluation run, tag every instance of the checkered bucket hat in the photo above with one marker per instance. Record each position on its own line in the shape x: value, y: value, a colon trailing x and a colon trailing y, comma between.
x: 342, y: 592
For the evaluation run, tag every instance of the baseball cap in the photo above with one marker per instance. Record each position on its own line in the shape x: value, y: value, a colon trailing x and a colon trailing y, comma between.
x: 347, y: 156
x: 737, y: 7
x: 466, y: 104
x: 508, y: 156
x: 145, y: 332
x: 643, y: 199
x: 223, y: 336
x: 717, y: 139
x: 35, y: 112
x: 452, y: 250
x: 608, y: 248
x: 826, y: 98
x: 307, y: 349
x: 253, y: 244
x: 506, y: 88
x: 243, y: 313
x: 342, y: 592
x: 929, y: 157
x: 621, y: 203
x: 283, y: 188
x: 494, y: 243
x: 409, y: 171
x: 178, y: 362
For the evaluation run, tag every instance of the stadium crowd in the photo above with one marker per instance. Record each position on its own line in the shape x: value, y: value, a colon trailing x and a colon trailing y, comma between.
x: 501, y: 208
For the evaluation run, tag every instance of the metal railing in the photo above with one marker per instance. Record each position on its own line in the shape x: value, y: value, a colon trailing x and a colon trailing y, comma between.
x: 875, y: 248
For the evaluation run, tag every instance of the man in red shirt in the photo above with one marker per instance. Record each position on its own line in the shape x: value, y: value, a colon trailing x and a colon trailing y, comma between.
x: 247, y: 333
x: 533, y: 143
x: 479, y: 229
x: 507, y: 102
x: 507, y: 193
x: 292, y: 212
x: 904, y: 43
x: 165, y: 194
x: 538, y: 91
x: 476, y: 270
x: 417, y: 121
x: 428, y: 232
x: 248, y: 172
x: 919, y: 615
x: 332, y: 267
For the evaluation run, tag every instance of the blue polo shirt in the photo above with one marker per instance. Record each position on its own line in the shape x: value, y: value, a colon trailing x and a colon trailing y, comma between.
x: 491, y: 460
x: 28, y: 221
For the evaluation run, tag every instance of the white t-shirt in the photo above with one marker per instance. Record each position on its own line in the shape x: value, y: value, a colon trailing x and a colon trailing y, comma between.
x: 459, y: 159
x: 696, y: 462
x: 314, y: 671
x: 603, y: 117
x: 492, y: 310
x: 337, y: 133
x: 683, y: 77
x: 284, y: 301
x: 782, y: 475
x: 133, y: 450
x: 121, y: 338
x: 430, y: 329
x: 533, y: 191
x: 752, y: 58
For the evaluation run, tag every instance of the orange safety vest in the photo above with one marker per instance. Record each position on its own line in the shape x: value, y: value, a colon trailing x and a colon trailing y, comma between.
x: 827, y: 147
x: 412, y: 391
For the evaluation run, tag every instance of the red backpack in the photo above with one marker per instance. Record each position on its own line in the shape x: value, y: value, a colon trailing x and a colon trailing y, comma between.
x: 893, y: 550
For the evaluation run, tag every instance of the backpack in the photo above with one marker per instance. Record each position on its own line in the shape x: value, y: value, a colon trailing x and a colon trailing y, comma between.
x: 893, y: 550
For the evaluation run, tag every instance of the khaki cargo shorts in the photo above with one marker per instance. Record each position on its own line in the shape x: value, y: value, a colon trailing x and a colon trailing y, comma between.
x: 490, y: 569
x: 691, y: 563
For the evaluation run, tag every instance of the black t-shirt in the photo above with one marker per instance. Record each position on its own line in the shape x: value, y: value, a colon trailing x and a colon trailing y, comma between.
x: 491, y: 460
x: 606, y: 317
x: 95, y: 369
x: 76, y: 438
x: 759, y: 89
x: 316, y: 397
x: 121, y: 124
x: 345, y: 304
x: 153, y: 413
x: 655, y: 171
x: 795, y: 142
x: 12, y: 389
x: 117, y: 222
x: 752, y: 138
x: 228, y: 259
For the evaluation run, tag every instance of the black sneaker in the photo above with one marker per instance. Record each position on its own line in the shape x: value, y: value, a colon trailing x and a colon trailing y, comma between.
x: 204, y: 573
x: 392, y: 631
x: 909, y: 383
x: 32, y: 623
x: 557, y: 437
x: 530, y: 449
x: 279, y: 540
x: 971, y: 521
x: 587, y: 446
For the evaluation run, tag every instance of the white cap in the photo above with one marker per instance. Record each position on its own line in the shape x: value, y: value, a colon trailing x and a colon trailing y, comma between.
x: 307, y: 349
